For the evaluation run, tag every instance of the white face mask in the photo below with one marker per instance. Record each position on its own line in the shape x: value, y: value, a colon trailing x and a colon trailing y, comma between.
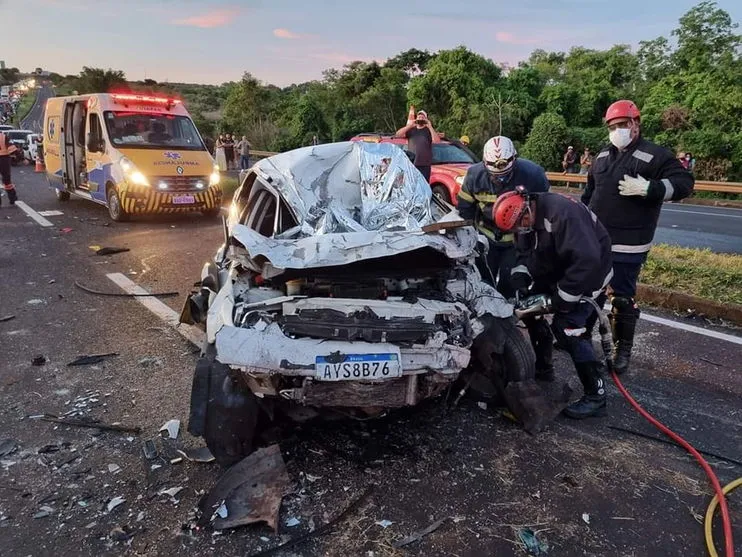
x: 620, y: 137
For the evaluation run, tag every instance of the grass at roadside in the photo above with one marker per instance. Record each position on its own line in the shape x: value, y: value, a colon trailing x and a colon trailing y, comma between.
x: 701, y: 273
x: 24, y: 107
x: 229, y: 186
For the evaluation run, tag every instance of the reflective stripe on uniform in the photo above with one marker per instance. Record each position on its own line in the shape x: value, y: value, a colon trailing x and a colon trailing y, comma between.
x: 507, y: 238
x: 669, y: 189
x: 567, y: 297
x: 485, y: 197
x: 642, y: 155
x: 602, y: 154
x: 547, y: 225
x: 465, y: 196
x: 606, y: 282
x: 622, y: 248
x: 520, y: 269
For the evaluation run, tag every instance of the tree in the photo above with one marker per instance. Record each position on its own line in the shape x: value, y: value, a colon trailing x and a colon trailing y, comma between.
x: 706, y: 38
x: 412, y: 61
x: 547, y: 141
x: 9, y: 76
x: 654, y: 58
x: 97, y: 80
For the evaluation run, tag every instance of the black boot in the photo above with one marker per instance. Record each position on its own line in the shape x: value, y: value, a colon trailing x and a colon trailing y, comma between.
x: 624, y: 317
x: 593, y: 402
x: 12, y: 196
x: 542, y: 341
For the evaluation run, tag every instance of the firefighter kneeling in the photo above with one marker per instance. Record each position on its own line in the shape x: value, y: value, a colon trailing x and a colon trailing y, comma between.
x: 562, y: 251
x: 6, y: 150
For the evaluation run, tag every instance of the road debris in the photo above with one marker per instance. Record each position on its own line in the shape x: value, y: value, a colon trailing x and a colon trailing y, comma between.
x: 200, y: 454
x: 5, y: 318
x: 124, y: 294
x: 114, y: 468
x: 532, y: 544
x: 149, y: 449
x: 39, y: 360
x: 120, y: 534
x: 92, y: 359
x: 319, y: 531
x: 94, y: 425
x: 150, y: 361
x: 172, y: 428
x: 44, y: 512
x: 251, y: 490
x: 172, y: 492
x: 586, y: 518
x: 35, y: 302
x: 293, y: 521
x: 115, y: 502
x: 417, y: 536
x: 384, y: 523
x: 110, y: 251
x: 7, y: 446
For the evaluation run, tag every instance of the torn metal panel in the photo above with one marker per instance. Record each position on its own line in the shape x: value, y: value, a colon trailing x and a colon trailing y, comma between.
x: 480, y: 297
x: 350, y: 186
x: 250, y: 491
x: 391, y: 308
x: 330, y: 250
x: 270, y: 350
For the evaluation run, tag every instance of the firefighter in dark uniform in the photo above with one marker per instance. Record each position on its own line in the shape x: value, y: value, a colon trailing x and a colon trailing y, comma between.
x: 6, y: 151
x: 564, y: 251
x: 626, y: 186
x: 500, y: 171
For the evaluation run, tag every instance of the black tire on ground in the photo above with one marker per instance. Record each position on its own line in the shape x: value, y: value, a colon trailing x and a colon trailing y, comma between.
x: 115, y: 209
x: 503, y: 354
x: 231, y: 418
x: 441, y: 191
x: 62, y: 195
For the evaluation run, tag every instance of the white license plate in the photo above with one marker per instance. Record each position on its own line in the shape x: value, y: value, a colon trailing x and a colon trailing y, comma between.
x: 183, y: 199
x: 357, y: 367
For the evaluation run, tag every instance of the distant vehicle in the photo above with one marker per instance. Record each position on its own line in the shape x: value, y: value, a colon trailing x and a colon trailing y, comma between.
x: 34, y: 140
x: 135, y: 154
x: 20, y: 139
x: 451, y: 160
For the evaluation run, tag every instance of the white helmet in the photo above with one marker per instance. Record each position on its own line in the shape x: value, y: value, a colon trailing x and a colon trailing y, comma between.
x: 499, y: 155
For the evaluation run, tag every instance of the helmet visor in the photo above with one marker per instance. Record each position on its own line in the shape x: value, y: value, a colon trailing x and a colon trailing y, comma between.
x: 499, y: 166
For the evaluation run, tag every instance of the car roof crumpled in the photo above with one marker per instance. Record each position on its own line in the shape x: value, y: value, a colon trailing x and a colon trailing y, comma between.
x: 350, y: 187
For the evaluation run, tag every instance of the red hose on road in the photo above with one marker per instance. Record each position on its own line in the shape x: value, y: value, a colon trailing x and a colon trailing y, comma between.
x: 727, y: 522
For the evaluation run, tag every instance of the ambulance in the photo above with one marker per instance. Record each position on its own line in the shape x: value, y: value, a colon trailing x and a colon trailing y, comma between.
x: 134, y: 153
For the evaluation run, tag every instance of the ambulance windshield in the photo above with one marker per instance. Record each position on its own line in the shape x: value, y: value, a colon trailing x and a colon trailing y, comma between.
x: 151, y: 131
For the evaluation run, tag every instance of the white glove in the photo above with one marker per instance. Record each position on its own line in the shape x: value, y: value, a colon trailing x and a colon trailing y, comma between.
x: 633, y: 186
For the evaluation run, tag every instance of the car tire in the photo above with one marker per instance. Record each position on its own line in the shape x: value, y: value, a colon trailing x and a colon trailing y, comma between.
x: 115, y: 209
x: 503, y: 354
x: 231, y: 418
x: 442, y: 192
x: 62, y: 195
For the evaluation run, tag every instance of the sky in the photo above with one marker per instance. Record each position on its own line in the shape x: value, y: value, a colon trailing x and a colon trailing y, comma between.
x: 292, y: 41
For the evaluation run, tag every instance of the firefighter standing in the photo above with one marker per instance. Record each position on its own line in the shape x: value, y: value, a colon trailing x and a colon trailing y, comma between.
x: 500, y: 171
x: 564, y: 251
x: 6, y: 151
x: 626, y: 186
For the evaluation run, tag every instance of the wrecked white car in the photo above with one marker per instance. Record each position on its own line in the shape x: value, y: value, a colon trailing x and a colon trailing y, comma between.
x: 343, y: 288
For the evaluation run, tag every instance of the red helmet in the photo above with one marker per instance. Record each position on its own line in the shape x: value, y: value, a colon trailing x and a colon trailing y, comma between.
x: 622, y: 109
x: 508, y: 210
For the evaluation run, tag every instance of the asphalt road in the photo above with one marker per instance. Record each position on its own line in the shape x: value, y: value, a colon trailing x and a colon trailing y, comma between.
x: 697, y: 226
x: 640, y: 497
x: 35, y: 118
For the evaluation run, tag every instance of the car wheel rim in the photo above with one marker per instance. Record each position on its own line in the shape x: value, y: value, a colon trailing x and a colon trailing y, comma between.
x: 113, y: 206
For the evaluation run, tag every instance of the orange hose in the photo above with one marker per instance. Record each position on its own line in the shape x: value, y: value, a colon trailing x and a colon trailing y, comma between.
x: 727, y: 522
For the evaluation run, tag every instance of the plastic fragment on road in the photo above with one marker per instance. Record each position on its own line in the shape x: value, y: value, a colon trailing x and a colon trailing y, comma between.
x: 199, y: 454
x: 172, y: 428
x: 384, y: 523
x: 586, y: 518
x: 114, y: 468
x: 110, y: 251
x: 293, y: 521
x: 251, y: 491
x: 115, y: 502
x: 7, y: 446
x: 417, y: 536
x: 35, y: 302
x: 532, y: 544
x: 149, y: 449
x: 5, y: 318
x: 172, y: 492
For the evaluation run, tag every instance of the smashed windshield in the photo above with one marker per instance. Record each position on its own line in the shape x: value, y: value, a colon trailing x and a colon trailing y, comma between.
x: 145, y: 130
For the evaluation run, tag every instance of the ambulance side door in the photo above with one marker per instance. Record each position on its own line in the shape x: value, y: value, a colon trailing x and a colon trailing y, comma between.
x: 97, y: 159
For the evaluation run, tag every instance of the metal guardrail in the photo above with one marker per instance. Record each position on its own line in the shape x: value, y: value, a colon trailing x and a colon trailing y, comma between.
x: 701, y: 185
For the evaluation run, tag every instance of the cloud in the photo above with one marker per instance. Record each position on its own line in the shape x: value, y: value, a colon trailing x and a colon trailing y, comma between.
x: 282, y: 33
x: 209, y: 20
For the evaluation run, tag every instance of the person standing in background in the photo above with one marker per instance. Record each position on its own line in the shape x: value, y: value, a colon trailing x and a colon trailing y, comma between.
x: 243, y: 147
x: 421, y: 136
x: 229, y: 151
x: 586, y: 161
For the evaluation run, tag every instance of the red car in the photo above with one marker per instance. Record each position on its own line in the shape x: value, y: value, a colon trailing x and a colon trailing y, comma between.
x: 451, y: 159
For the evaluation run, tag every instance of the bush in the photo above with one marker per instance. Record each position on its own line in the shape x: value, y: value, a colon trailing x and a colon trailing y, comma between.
x: 547, y: 141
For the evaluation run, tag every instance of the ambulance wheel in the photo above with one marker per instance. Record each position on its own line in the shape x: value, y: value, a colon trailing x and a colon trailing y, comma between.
x: 115, y: 209
x: 62, y: 195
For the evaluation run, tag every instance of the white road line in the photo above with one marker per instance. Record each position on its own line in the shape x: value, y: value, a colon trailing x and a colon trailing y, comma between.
x: 33, y: 214
x: 702, y: 213
x: 160, y: 309
x: 692, y: 328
